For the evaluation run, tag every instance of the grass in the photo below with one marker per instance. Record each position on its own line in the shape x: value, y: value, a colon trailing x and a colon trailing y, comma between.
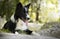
x: 4, y: 30
x: 7, y: 31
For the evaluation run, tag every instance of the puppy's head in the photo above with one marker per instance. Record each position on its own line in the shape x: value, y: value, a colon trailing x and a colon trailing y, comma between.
x: 22, y: 12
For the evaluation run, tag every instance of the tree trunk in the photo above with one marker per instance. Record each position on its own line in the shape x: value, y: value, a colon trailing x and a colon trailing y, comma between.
x: 37, y: 14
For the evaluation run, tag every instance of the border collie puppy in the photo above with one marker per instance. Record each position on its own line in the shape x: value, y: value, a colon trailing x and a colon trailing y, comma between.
x: 20, y: 13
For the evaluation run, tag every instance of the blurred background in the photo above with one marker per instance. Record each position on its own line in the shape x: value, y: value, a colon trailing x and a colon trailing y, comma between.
x: 40, y: 10
x: 43, y: 13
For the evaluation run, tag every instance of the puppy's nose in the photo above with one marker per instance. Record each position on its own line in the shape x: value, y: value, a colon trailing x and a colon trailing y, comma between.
x: 28, y: 18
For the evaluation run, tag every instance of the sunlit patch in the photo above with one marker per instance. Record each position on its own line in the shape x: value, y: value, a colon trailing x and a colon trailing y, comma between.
x: 53, y: 16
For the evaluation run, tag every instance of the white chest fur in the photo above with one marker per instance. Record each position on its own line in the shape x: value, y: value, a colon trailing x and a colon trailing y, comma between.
x: 12, y: 19
x: 21, y: 25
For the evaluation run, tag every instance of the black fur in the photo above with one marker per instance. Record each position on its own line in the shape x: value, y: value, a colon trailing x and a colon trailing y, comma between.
x: 19, y: 13
x: 10, y: 26
x: 28, y: 31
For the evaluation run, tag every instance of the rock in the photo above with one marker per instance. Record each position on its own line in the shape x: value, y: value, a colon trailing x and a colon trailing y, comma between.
x: 53, y: 31
x: 21, y: 36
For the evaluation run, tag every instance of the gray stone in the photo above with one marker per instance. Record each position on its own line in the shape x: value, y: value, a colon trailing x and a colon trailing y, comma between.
x: 21, y: 36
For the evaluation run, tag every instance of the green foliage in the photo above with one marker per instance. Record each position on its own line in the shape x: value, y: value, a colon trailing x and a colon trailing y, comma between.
x: 7, y: 8
x: 45, y: 9
x: 4, y: 30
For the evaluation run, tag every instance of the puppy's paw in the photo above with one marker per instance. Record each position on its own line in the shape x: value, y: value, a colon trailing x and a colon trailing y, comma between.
x: 16, y: 33
x: 34, y: 33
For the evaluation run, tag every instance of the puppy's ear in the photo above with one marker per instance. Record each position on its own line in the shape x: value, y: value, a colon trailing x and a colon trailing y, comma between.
x: 19, y: 5
x: 27, y: 6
